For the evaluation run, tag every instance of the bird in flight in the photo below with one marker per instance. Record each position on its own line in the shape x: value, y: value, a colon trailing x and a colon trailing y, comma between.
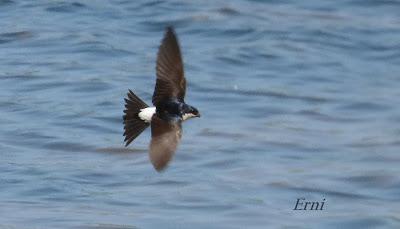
x: 169, y: 110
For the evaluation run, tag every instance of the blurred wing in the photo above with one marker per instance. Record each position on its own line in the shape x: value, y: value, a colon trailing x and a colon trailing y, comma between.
x: 171, y: 82
x: 165, y: 137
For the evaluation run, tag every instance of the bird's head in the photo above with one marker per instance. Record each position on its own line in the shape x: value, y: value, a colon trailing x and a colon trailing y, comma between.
x: 190, y: 112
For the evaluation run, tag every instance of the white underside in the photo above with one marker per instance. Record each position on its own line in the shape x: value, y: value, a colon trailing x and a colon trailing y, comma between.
x: 147, y: 113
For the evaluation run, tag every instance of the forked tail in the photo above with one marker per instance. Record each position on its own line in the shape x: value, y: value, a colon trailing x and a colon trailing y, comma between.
x: 133, y: 125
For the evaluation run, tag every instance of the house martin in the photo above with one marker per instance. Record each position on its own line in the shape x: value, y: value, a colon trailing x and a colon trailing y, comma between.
x: 169, y: 110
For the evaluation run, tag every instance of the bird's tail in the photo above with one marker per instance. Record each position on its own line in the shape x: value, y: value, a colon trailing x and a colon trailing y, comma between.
x: 133, y: 125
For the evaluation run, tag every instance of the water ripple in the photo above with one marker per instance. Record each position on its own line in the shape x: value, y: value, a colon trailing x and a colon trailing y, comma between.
x: 64, y: 7
x: 15, y: 36
x: 298, y: 98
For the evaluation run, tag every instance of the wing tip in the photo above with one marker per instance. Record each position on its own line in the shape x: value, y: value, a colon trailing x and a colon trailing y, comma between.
x: 170, y: 29
x: 160, y: 168
x: 170, y: 33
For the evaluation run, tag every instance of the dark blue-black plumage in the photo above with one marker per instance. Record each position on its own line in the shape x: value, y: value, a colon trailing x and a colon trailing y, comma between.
x: 168, y: 99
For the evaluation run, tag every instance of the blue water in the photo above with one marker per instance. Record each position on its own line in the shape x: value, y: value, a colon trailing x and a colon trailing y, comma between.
x: 298, y: 99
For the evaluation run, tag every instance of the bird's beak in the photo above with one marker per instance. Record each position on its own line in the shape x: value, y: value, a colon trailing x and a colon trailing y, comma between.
x: 198, y: 115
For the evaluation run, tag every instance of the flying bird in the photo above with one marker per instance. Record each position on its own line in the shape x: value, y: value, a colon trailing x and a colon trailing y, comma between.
x: 169, y: 110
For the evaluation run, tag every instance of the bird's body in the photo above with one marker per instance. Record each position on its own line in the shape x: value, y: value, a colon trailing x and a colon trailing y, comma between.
x: 169, y: 110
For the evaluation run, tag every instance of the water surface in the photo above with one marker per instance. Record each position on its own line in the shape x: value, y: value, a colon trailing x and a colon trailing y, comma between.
x: 298, y: 99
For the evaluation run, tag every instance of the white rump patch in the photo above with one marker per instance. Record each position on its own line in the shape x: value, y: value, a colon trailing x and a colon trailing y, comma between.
x: 147, y: 113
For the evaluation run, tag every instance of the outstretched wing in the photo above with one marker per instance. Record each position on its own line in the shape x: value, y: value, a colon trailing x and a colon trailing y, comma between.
x: 165, y: 137
x: 171, y: 82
